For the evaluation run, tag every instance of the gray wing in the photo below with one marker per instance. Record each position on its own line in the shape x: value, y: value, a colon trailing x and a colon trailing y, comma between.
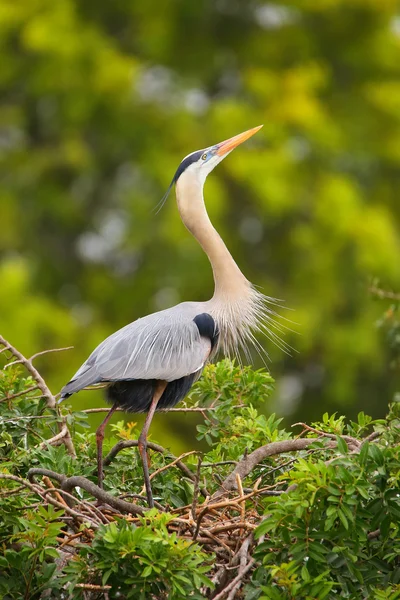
x: 165, y: 345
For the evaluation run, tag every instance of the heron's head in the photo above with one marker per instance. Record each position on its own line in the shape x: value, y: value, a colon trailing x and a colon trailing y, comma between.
x: 202, y: 162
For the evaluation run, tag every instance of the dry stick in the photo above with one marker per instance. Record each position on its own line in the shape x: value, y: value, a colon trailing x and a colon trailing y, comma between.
x: 51, y: 350
x: 69, y: 539
x: 239, y: 525
x: 196, y: 489
x: 241, y: 494
x: 93, y: 587
x: 243, y: 557
x: 247, y: 464
x: 41, y: 384
x: 134, y: 443
x: 50, y: 486
x: 174, y: 462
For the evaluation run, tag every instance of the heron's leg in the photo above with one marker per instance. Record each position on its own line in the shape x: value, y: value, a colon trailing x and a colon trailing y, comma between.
x: 142, y: 442
x: 99, y: 442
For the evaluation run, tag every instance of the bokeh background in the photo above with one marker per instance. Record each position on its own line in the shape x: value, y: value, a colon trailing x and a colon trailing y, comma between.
x: 101, y: 100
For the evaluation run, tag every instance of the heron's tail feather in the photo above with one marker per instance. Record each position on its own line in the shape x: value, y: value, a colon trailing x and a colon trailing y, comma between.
x: 86, y: 378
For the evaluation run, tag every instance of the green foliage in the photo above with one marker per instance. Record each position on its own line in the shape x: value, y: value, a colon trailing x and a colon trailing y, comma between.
x: 28, y: 564
x: 142, y: 561
x: 330, y: 528
x: 329, y: 518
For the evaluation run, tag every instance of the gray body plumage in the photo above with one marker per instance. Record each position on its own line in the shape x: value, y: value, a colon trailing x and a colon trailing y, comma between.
x: 166, y: 345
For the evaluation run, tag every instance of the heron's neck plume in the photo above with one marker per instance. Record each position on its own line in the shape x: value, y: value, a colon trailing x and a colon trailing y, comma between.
x: 238, y: 308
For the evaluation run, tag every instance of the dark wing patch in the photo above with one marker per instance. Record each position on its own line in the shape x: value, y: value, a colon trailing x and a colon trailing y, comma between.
x: 207, y: 328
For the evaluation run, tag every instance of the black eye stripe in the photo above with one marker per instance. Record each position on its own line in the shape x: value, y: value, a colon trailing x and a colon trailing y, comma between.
x: 186, y: 163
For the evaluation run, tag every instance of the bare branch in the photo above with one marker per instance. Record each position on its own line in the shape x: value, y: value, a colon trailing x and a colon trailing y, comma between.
x: 174, y: 462
x: 92, y: 587
x: 247, y: 464
x: 51, y: 403
x: 69, y: 483
x: 48, y: 352
x: 90, y: 487
x: 55, y: 440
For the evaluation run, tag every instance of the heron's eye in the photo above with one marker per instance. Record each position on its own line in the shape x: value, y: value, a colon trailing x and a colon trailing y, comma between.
x: 204, y: 157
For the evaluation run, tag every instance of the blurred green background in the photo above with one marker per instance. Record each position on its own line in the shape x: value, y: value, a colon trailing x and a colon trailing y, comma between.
x: 99, y: 103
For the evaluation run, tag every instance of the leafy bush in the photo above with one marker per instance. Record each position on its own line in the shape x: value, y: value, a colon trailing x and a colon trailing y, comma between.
x: 262, y: 514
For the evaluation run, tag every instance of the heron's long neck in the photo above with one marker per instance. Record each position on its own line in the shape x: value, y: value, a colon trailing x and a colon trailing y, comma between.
x: 228, y: 279
x: 239, y: 309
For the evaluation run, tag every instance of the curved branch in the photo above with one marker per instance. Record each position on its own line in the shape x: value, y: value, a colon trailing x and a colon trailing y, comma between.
x: 67, y: 484
x: 247, y: 464
x: 51, y: 401
x: 93, y: 489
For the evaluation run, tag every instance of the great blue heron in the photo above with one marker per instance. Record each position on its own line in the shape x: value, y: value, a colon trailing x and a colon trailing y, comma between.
x: 152, y: 363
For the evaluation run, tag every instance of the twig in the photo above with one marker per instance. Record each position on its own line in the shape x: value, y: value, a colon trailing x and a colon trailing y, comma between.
x: 241, y: 494
x: 372, y: 436
x: 196, y: 488
x: 51, y: 403
x: 51, y: 487
x: 51, y: 350
x: 93, y: 587
x: 174, y: 462
x: 7, y: 493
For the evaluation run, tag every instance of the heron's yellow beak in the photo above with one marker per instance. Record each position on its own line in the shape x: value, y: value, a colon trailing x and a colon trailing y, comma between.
x: 230, y: 144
